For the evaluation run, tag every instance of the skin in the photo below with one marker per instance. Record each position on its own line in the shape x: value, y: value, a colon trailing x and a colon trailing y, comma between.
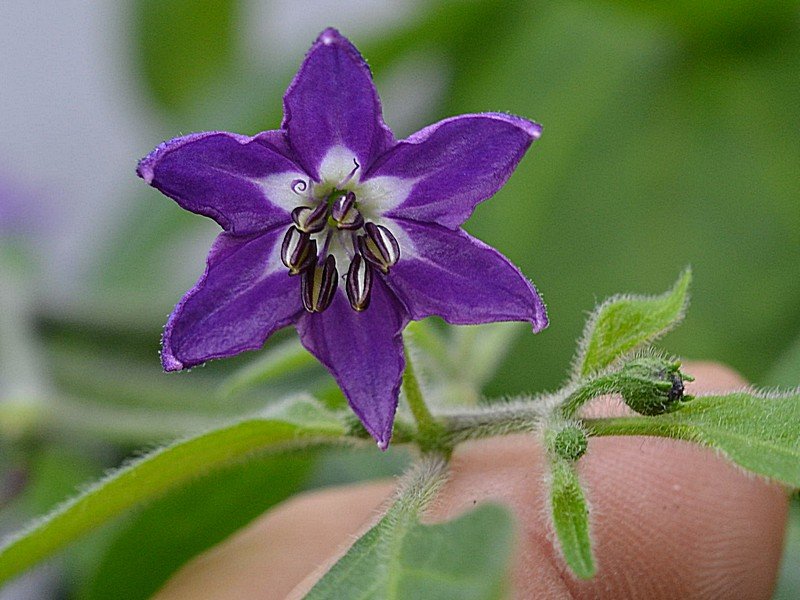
x: 670, y: 520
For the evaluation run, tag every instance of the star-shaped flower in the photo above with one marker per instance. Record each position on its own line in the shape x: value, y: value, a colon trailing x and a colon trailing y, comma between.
x: 332, y: 196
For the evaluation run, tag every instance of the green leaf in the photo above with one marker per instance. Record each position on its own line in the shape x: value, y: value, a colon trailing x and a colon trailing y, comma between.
x: 456, y: 362
x: 401, y: 558
x: 196, y: 517
x: 183, y: 45
x: 760, y: 432
x: 623, y: 323
x: 570, y: 515
x: 787, y: 370
x: 292, y: 424
x: 275, y: 363
x: 466, y: 558
x: 788, y: 586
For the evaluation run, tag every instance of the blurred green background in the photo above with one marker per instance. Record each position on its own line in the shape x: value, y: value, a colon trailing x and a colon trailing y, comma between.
x: 670, y: 138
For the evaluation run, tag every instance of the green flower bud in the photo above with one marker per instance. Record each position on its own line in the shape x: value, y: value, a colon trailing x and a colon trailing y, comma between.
x: 570, y: 443
x: 651, y: 385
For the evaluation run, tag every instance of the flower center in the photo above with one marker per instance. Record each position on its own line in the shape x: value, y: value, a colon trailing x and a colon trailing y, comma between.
x: 332, y: 225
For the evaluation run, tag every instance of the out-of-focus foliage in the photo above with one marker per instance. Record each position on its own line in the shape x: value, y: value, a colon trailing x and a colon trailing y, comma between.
x: 141, y: 557
x: 292, y: 424
x: 670, y: 138
x: 668, y: 141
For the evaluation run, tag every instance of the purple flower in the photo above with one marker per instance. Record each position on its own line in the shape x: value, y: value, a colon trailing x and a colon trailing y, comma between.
x: 333, y: 226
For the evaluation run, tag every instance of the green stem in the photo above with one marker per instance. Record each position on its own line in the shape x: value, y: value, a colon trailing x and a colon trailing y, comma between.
x: 588, y: 390
x: 502, y: 420
x: 430, y: 430
x: 639, y: 426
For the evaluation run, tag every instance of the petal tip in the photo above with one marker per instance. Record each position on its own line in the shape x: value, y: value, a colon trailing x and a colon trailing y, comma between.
x: 535, y: 130
x: 145, y: 168
x: 330, y: 36
x: 170, y: 363
x: 383, y: 444
x: 540, y: 320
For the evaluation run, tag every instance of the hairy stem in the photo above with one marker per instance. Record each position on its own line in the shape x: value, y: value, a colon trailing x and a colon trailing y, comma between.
x: 499, y: 420
x: 422, y: 481
x: 585, y: 392
x: 430, y: 430
x: 638, y: 426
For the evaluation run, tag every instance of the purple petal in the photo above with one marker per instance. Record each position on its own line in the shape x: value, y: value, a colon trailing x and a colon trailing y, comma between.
x: 243, y: 297
x: 333, y: 102
x: 364, y: 352
x: 461, y: 279
x: 455, y: 164
x: 241, y: 182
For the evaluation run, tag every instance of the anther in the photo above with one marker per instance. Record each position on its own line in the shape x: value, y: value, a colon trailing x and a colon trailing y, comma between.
x: 379, y: 246
x: 310, y: 220
x: 345, y: 213
x: 298, y: 251
x: 319, y: 284
x: 298, y: 186
x: 359, y: 283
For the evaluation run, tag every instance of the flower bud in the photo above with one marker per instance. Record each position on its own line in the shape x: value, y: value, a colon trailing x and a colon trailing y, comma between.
x: 651, y: 385
x: 570, y: 443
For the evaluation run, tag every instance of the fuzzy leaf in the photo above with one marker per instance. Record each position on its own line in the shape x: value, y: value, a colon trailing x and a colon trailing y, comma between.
x: 293, y: 423
x: 623, y: 323
x: 197, y: 516
x: 758, y: 432
x: 570, y: 515
x: 466, y: 558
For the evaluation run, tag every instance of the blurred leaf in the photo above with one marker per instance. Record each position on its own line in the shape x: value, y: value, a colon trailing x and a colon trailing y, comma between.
x: 182, y: 45
x: 466, y: 558
x: 570, y: 515
x: 480, y: 349
x: 623, y: 323
x: 788, y: 587
x: 190, y: 520
x: 276, y: 363
x: 54, y: 472
x: 786, y: 372
x: 295, y: 423
x: 342, y: 466
x: 758, y: 432
x: 654, y: 155
x: 457, y: 361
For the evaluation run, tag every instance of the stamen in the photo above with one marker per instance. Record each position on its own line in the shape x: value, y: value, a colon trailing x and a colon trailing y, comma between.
x: 379, y: 246
x: 327, y: 243
x: 359, y: 283
x: 345, y: 213
x: 319, y: 284
x: 298, y: 251
x: 299, y: 186
x: 311, y: 220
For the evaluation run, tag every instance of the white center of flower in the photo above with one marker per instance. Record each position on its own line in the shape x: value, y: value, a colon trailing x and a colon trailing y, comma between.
x: 334, y: 227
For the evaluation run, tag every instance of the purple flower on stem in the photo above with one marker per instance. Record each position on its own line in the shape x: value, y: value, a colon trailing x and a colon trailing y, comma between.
x: 333, y: 226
